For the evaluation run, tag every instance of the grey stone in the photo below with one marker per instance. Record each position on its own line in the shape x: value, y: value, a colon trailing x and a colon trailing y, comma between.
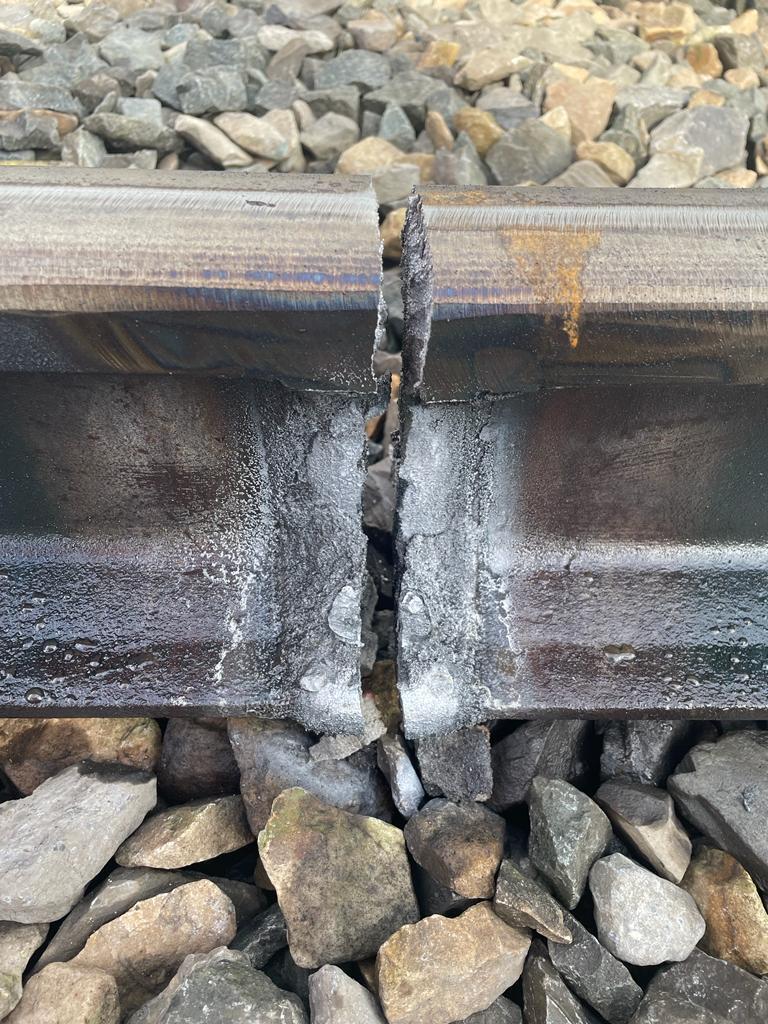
x: 262, y: 937
x: 286, y: 64
x: 617, y: 45
x: 546, y: 997
x: 344, y: 100
x: 286, y: 973
x: 522, y: 902
x: 645, y: 817
x: 459, y: 166
x: 435, y: 898
x: 14, y: 44
x: 508, y: 107
x: 584, y: 174
x: 457, y: 765
x: 55, y: 841
x: 28, y: 130
x: 130, y: 133
x: 211, y: 91
x: 196, y: 761
x: 722, y: 789
x: 274, y: 756
x: 141, y: 159
x: 220, y: 985
x: 395, y: 763
x: 553, y: 749
x: 330, y: 135
x: 67, y: 62
x: 641, y: 918
x: 393, y: 185
x: 628, y: 141
x: 342, y: 880
x: 718, y: 133
x: 132, y: 48
x: 460, y: 845
x: 363, y: 68
x: 644, y: 750
x: 704, y: 990
x: 740, y: 51
x: 335, y: 998
x: 568, y: 833
x: 408, y: 89
x: 17, y: 944
x: 93, y: 90
x: 444, y: 100
x: 146, y: 107
x: 501, y: 1011
x: 595, y: 975
x: 16, y: 95
x: 653, y: 103
x: 205, y: 53
x: 395, y: 126
x: 532, y: 152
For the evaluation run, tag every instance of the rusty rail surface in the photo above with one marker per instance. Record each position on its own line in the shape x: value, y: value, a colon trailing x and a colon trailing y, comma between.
x: 185, y: 371
x: 583, y: 522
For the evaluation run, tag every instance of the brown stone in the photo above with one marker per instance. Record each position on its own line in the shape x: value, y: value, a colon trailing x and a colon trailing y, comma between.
x: 187, y: 834
x: 559, y: 121
x: 445, y: 968
x: 368, y: 156
x: 589, y: 104
x: 143, y: 948
x: 615, y: 161
x: 374, y: 31
x: 391, y: 233
x: 438, y: 131
x: 460, y: 845
x: 66, y: 123
x: 743, y: 78
x: 17, y: 944
x: 704, y: 60
x: 746, y: 24
x: 440, y: 53
x: 486, y: 66
x: 673, y: 21
x: 480, y: 125
x: 66, y: 994
x: 196, y: 760
x: 738, y: 177
x: 34, y: 749
x: 706, y: 98
x: 343, y: 880
x: 737, y: 923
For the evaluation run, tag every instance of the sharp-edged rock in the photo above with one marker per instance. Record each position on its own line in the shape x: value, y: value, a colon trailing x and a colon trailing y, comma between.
x: 263, y: 936
x: 65, y: 994
x: 196, y: 761
x: 55, y: 841
x: 522, y: 902
x: 395, y: 763
x: 457, y: 765
x: 335, y: 998
x: 568, y: 833
x: 556, y: 750
x: 342, y: 880
x: 443, y: 969
x: 17, y: 944
x: 641, y: 918
x: 546, y: 997
x: 460, y: 845
x: 644, y: 750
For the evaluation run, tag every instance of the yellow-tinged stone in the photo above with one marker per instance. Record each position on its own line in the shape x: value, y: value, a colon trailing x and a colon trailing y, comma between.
x: 486, y: 66
x: 571, y: 71
x: 444, y: 969
x: 438, y: 131
x: 675, y: 22
x: 615, y: 161
x: 704, y: 59
x: 65, y: 123
x: 558, y: 120
x: 683, y: 76
x: 738, y: 177
x: 743, y: 78
x: 424, y: 161
x: 589, y: 104
x: 368, y: 156
x: 737, y: 923
x: 746, y: 23
x: 391, y: 233
x: 64, y: 994
x: 706, y: 98
x: 441, y: 53
x: 480, y: 125
x: 34, y: 749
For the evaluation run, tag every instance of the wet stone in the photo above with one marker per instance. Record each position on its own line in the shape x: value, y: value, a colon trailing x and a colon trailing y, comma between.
x: 196, y: 761
x: 722, y: 789
x: 443, y: 969
x: 737, y: 922
x: 595, y: 975
x: 218, y: 986
x: 65, y: 994
x: 274, y: 756
x: 392, y: 754
x: 188, y: 834
x: 460, y: 845
x: 568, y: 833
x: 262, y: 937
x: 645, y: 817
x: 644, y: 750
x: 642, y: 919
x: 556, y: 750
x: 546, y: 997
x: 335, y: 998
x: 17, y: 944
x: 143, y: 948
x: 522, y: 902
x: 343, y: 881
x: 55, y: 841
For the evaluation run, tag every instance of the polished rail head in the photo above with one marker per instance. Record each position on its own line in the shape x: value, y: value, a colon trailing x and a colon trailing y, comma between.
x: 109, y: 272
x: 511, y: 289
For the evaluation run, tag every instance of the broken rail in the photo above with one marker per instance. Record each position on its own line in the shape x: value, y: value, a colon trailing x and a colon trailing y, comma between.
x: 185, y: 372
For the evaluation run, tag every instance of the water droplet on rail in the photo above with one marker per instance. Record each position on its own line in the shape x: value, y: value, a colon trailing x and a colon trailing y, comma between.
x: 34, y: 695
x: 314, y: 681
x: 619, y: 654
x: 412, y: 606
x: 344, y: 616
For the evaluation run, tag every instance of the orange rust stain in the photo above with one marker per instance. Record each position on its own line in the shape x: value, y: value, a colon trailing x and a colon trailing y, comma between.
x: 551, y: 261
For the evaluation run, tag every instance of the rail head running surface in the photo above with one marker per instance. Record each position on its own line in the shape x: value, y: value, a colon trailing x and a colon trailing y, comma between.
x: 185, y: 372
